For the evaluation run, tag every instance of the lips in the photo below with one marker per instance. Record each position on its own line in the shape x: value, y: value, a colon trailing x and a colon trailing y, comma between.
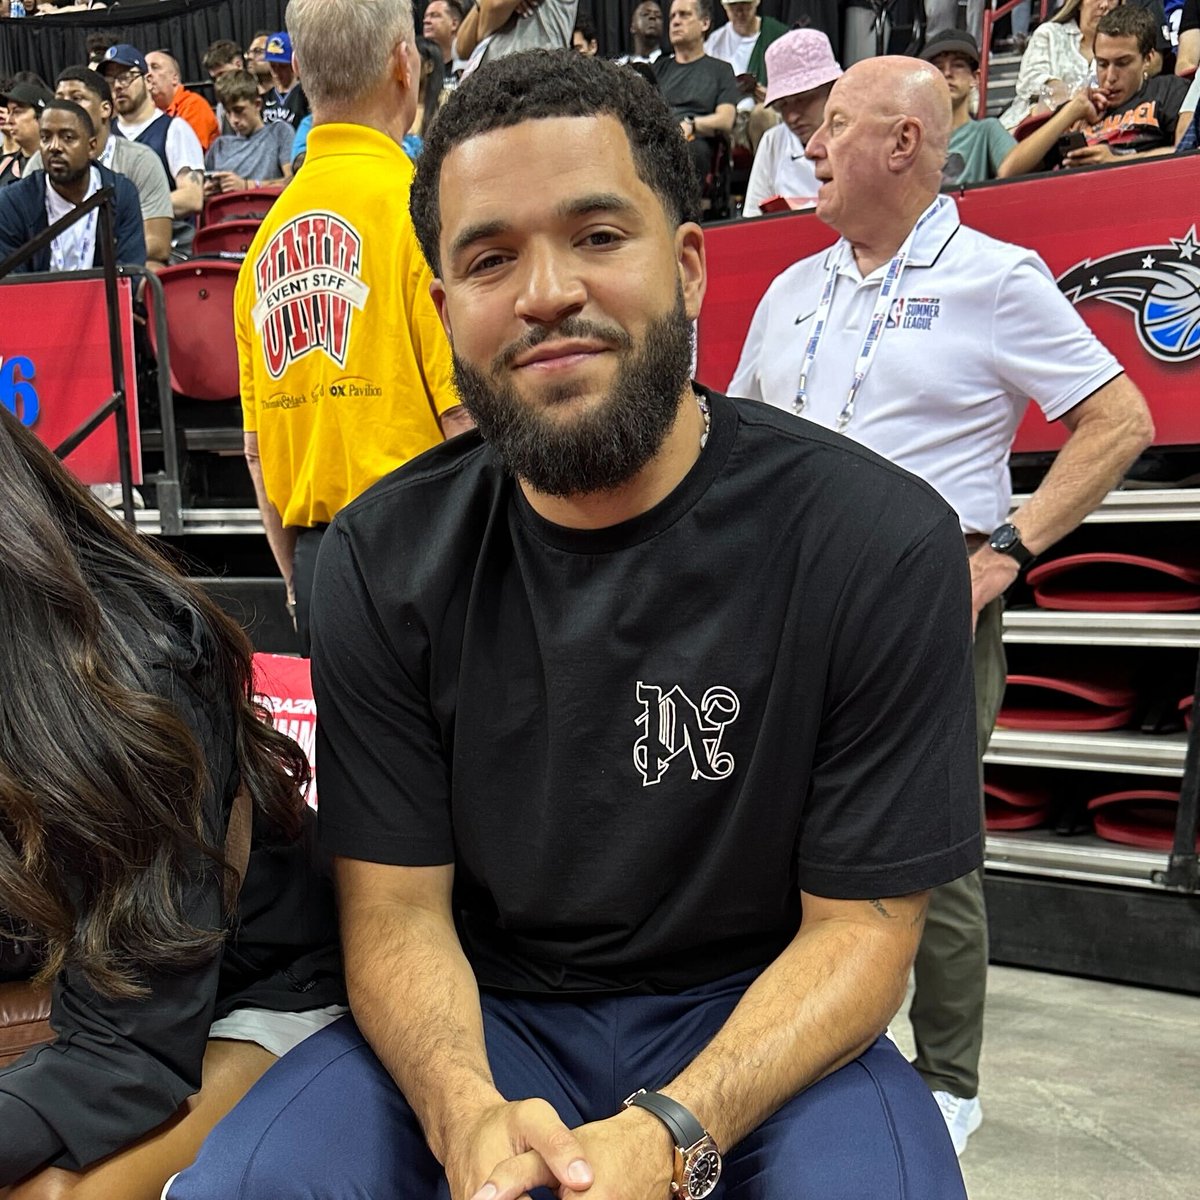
x: 558, y: 354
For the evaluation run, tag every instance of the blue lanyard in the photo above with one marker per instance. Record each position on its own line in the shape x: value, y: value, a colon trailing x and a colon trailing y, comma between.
x: 866, y: 356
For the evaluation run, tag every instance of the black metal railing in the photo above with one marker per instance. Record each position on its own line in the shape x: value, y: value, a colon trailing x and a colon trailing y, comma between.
x: 167, y: 482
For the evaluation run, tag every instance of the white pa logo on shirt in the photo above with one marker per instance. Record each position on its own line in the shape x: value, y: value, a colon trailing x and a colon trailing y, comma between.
x: 672, y: 722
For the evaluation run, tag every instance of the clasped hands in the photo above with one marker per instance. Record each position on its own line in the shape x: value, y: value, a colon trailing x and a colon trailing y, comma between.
x: 515, y: 1146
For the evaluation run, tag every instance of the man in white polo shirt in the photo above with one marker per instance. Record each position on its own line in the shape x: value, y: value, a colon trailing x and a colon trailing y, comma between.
x: 923, y: 340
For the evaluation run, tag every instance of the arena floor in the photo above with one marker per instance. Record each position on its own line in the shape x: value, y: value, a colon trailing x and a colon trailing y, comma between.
x: 1090, y: 1091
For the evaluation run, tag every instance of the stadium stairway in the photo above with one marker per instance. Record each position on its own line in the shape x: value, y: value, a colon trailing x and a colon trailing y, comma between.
x: 1002, y: 82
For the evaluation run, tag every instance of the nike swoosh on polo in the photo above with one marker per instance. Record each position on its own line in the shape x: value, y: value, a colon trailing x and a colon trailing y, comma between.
x: 804, y: 317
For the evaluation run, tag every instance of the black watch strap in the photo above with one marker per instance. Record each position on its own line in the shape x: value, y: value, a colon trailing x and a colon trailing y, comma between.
x: 684, y: 1128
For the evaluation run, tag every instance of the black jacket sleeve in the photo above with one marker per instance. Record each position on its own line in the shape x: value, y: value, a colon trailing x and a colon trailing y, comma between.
x: 119, y: 1068
x: 14, y: 225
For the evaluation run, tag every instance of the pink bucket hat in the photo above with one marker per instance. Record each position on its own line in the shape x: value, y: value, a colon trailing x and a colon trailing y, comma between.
x: 798, y: 62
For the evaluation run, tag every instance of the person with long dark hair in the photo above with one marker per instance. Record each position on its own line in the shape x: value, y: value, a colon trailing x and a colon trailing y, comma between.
x: 155, y: 840
x: 429, y: 91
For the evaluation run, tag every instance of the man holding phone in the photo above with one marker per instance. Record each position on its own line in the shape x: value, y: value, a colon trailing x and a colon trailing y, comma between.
x: 1129, y: 113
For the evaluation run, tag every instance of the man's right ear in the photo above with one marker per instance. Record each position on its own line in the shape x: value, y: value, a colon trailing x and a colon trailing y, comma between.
x: 400, y: 66
x: 437, y: 292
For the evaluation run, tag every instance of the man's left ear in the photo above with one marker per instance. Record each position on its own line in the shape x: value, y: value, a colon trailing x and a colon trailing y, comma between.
x: 910, y: 134
x: 692, y: 267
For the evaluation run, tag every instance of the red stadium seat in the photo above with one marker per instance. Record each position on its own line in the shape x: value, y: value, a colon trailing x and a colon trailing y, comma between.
x: 202, y: 350
x: 252, y: 205
x: 226, y: 237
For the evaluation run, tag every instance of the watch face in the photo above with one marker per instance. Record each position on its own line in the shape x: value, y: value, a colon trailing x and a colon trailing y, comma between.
x: 701, y: 1174
x: 1005, y: 538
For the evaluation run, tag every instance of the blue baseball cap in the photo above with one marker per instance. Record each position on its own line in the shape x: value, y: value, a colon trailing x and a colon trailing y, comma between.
x: 123, y: 55
x: 279, y: 48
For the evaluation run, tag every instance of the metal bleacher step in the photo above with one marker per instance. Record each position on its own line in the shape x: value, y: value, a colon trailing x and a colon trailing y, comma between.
x: 1002, y: 82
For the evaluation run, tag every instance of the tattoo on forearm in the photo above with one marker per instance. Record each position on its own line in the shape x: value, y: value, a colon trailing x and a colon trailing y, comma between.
x: 881, y: 909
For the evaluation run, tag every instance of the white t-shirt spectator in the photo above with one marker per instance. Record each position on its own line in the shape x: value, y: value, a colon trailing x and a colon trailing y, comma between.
x: 780, y: 169
x: 183, y: 146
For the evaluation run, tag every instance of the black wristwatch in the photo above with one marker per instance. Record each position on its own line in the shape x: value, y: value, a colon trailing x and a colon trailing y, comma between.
x: 1006, y: 539
x: 697, y: 1159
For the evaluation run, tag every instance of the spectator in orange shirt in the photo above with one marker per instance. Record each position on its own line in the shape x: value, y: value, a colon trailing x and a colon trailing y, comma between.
x: 169, y: 95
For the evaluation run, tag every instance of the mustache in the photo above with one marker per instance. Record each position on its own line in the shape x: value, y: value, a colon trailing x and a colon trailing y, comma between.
x: 570, y: 327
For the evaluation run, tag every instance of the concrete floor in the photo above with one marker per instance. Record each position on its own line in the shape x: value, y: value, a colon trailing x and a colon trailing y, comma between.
x: 1090, y: 1091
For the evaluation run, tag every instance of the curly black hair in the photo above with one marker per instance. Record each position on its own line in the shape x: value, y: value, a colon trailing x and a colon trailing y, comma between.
x: 539, y: 84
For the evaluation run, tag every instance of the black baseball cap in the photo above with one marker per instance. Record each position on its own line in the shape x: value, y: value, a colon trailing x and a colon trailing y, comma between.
x: 952, y: 41
x: 28, y: 93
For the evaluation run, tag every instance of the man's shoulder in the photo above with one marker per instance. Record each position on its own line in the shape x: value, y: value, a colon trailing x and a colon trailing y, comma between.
x: 812, y: 461
x: 1169, y: 88
x: 133, y: 154
x: 431, y: 492
x: 25, y: 193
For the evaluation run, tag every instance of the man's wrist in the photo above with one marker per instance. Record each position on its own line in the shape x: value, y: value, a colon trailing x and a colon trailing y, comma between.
x: 461, y: 1115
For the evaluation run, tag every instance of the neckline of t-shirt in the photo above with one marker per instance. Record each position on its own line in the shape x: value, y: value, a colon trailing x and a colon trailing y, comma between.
x: 664, y: 514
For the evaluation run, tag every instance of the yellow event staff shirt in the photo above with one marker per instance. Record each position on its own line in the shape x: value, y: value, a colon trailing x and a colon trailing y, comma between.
x: 344, y: 364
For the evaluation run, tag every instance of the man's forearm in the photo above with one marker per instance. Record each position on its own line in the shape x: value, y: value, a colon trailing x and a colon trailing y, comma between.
x: 721, y: 121
x: 819, y: 1005
x: 416, y: 1001
x: 187, y: 198
x: 493, y: 15
x: 281, y: 540
x: 1102, y: 445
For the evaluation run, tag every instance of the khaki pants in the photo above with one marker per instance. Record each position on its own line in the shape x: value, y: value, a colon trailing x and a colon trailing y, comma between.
x: 951, y: 965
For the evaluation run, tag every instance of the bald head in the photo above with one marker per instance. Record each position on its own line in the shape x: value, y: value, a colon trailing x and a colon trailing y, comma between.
x: 162, y: 76
x: 896, y: 87
x: 881, y: 149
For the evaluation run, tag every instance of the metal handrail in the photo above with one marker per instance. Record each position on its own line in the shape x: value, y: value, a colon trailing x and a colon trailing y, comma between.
x: 991, y: 14
x: 103, y: 202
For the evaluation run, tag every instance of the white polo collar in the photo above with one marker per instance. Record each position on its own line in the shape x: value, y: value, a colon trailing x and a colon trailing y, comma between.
x: 929, y: 243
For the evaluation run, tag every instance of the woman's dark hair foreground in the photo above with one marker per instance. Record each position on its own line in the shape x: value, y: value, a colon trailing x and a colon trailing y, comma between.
x: 539, y: 84
x: 101, y: 782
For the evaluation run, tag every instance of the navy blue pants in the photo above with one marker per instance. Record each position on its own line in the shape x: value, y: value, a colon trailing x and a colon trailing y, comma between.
x: 328, y: 1122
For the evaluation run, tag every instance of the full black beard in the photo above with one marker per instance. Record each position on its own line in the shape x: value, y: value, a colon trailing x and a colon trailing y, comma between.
x: 604, y: 448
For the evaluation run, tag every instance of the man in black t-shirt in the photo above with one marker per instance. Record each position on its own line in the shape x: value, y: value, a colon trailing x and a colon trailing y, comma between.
x: 639, y: 755
x: 1129, y: 114
x: 700, y: 89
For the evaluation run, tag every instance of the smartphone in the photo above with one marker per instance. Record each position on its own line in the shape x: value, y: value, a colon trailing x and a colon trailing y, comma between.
x: 1076, y: 140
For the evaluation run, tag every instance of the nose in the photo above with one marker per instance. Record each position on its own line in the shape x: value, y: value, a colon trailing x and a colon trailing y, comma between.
x: 814, y: 148
x: 550, y: 288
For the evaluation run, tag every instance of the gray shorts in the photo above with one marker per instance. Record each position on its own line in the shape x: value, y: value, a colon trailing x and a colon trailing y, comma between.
x: 276, y: 1032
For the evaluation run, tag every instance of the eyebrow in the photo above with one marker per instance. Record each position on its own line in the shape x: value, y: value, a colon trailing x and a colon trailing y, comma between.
x: 568, y: 210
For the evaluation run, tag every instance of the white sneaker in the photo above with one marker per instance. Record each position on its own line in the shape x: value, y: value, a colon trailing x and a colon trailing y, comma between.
x: 963, y: 1117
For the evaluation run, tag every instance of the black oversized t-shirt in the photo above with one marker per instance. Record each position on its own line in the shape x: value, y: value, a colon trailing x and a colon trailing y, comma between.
x: 638, y: 744
x: 695, y: 89
x: 1147, y: 120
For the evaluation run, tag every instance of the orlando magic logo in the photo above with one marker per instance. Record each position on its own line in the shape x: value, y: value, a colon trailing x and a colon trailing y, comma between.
x: 1160, y: 285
